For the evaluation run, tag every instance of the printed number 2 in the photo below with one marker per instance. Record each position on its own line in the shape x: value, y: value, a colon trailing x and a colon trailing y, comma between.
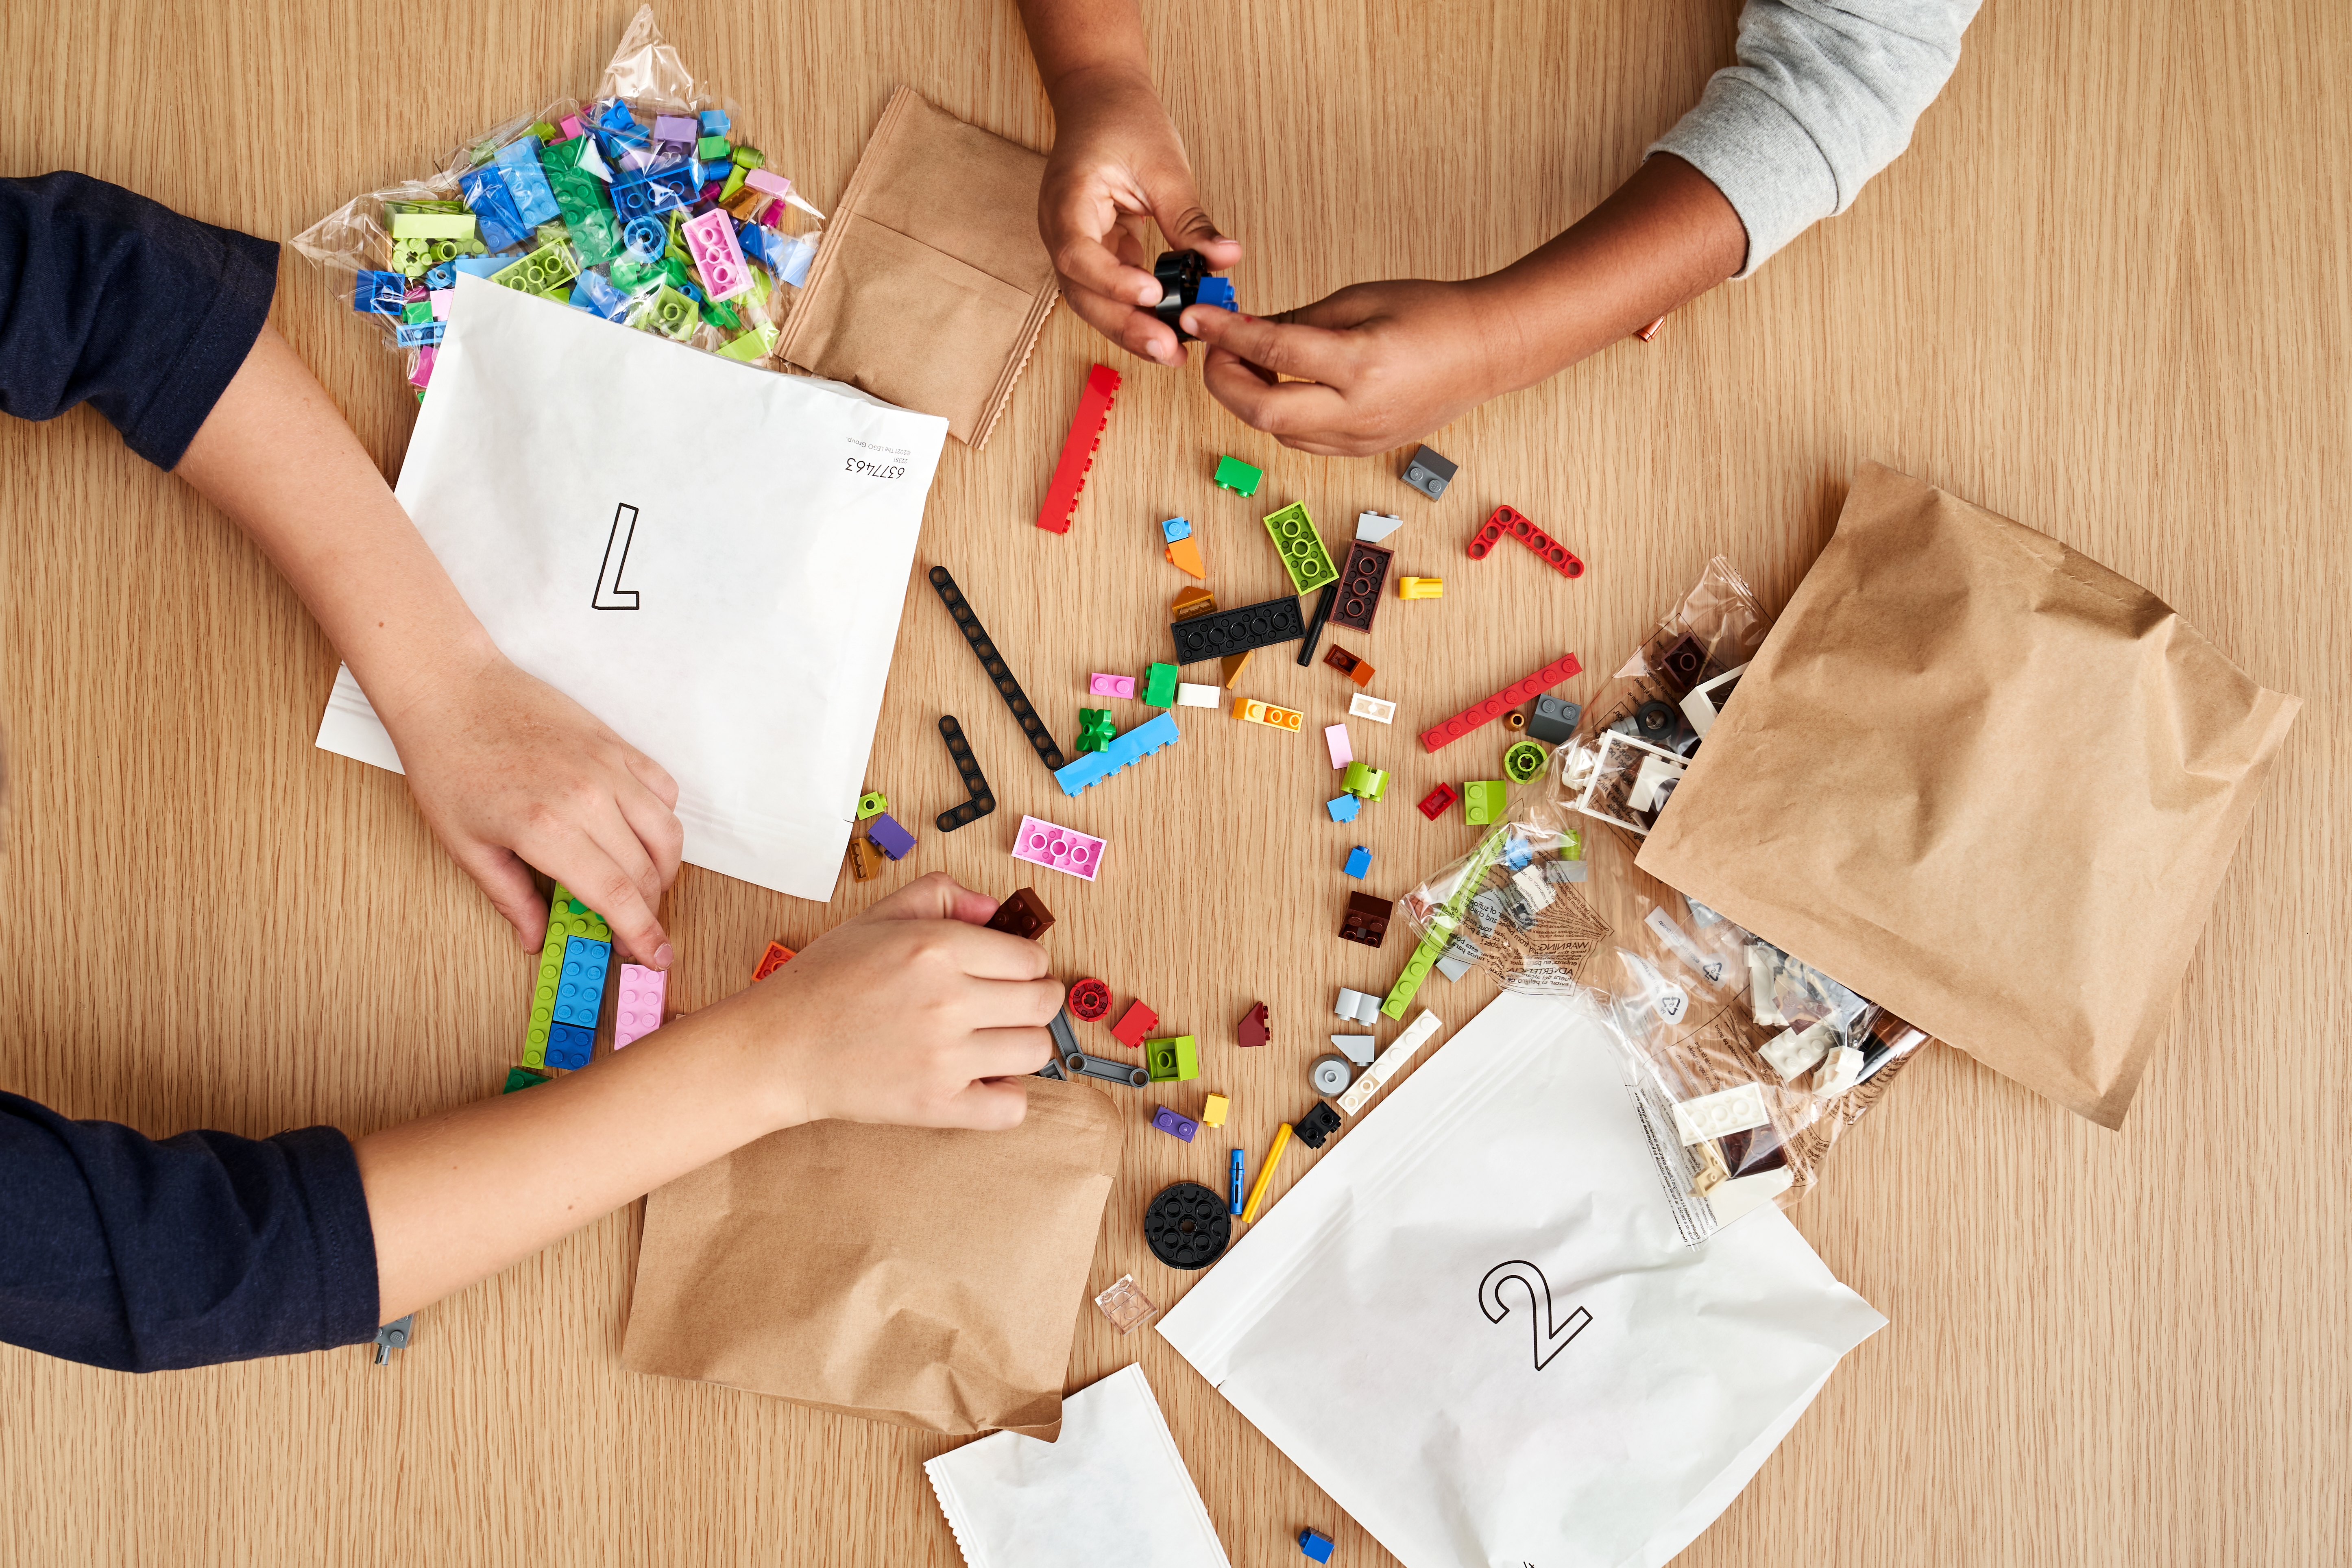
x: 610, y: 594
x: 1548, y: 1332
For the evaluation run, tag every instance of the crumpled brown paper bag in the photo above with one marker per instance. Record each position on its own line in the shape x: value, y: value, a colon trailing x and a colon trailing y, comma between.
x: 932, y: 283
x: 1983, y: 781
x: 929, y: 1276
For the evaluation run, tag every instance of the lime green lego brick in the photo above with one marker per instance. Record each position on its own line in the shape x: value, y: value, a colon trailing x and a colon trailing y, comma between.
x: 428, y: 204
x: 734, y: 184
x: 1571, y: 845
x: 1303, y: 556
x: 434, y: 226
x: 542, y: 996
x: 668, y: 312
x: 546, y: 271
x: 749, y: 349
x: 411, y: 257
x: 1175, y: 1059
x: 1523, y: 760
x: 710, y: 149
x: 1485, y: 800
x: 576, y: 917
x: 545, y: 132
x: 750, y: 158
x: 1416, y: 970
x: 1365, y: 782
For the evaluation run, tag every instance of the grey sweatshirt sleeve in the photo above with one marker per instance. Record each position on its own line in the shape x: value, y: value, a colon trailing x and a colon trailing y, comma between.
x: 1824, y: 96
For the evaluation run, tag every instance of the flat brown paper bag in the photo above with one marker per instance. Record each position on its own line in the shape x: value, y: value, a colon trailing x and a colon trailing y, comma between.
x: 1983, y: 781
x: 930, y: 284
x: 929, y: 1276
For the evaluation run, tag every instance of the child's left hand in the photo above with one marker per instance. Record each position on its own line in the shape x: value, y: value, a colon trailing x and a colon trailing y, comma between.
x: 507, y: 770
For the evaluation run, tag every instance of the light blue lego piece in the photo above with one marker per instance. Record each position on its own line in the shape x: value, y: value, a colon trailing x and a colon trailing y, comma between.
x: 1174, y: 529
x: 645, y: 237
x: 799, y: 251
x: 1360, y: 860
x: 483, y: 266
x: 442, y: 275
x: 598, y: 297
x: 570, y: 1045
x: 1133, y: 746
x: 715, y: 122
x: 420, y: 335
x: 1343, y: 809
x: 534, y: 199
x: 1517, y: 853
x: 580, y: 990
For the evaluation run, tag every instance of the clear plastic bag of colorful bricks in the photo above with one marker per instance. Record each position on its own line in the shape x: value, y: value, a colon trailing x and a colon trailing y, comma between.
x: 1747, y: 1063
x: 648, y: 207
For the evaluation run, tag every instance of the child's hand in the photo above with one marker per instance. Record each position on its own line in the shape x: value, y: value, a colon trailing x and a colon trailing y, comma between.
x: 912, y: 1013
x: 507, y: 770
x: 1117, y: 161
x: 1382, y: 365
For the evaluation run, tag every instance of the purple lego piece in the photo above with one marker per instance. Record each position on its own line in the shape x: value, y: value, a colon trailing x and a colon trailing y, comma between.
x: 1175, y: 1126
x: 889, y: 837
x: 677, y: 128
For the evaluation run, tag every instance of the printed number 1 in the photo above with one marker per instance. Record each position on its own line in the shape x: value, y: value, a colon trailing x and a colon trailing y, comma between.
x: 1549, y: 1333
x: 610, y: 594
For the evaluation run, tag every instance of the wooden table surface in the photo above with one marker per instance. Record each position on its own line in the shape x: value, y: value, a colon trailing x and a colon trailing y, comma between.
x: 2105, y: 293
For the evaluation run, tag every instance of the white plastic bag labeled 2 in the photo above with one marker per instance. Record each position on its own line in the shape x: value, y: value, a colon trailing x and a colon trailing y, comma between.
x: 1475, y: 1323
x: 709, y: 557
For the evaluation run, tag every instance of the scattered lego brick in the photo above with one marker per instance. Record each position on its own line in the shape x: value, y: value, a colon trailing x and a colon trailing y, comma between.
x: 1133, y: 1025
x: 1429, y: 472
x: 1437, y: 800
x: 1328, y: 1074
x: 1196, y: 602
x: 1522, y: 761
x: 1358, y: 1049
x: 1233, y: 1184
x: 1361, y: 705
x: 1301, y: 548
x: 1229, y: 632
x: 1323, y: 603
x: 1438, y: 736
x: 1343, y: 807
x: 1484, y: 801
x: 1023, y: 914
x: 1185, y: 556
x: 1058, y: 848
x: 718, y: 257
x: 1175, y: 1126
x: 1125, y: 750
x: 1127, y: 1307
x: 1094, y: 729
x: 775, y: 958
x: 1317, y: 1125
x: 1174, y: 529
x: 638, y: 1003
x: 1089, y: 999
x: 1314, y: 1543
x: 522, y: 1078
x: 1078, y: 450
x: 1365, y: 781
x: 873, y: 803
x: 1359, y: 586
x: 865, y: 859
x: 1349, y: 665
x: 889, y: 837
x: 1101, y: 685
x: 1213, y: 1109
x: 1077, y: 1064
x: 1238, y: 477
x: 1160, y: 686
x: 999, y: 674
x: 1509, y: 522
x: 1186, y: 1226
x: 1357, y: 1006
x: 1371, y: 527
x: 1337, y: 740
x: 1175, y: 1059
x: 1254, y: 1030
x: 979, y: 799
x: 1190, y: 695
x: 1421, y: 587
x: 1554, y: 719
x: 1367, y: 919
x: 1360, y: 860
x: 1253, y: 711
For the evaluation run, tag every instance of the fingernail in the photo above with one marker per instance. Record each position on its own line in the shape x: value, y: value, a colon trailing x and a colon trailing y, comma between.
x: 662, y: 955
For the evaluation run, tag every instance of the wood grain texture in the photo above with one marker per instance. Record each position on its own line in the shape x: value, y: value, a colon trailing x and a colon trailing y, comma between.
x: 2105, y: 293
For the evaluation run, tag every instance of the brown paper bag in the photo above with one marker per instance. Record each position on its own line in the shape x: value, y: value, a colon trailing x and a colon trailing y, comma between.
x: 1983, y: 781
x: 930, y: 1278
x: 932, y: 283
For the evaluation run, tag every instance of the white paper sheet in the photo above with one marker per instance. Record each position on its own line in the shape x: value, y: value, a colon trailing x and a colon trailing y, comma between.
x: 761, y: 527
x: 1113, y: 1490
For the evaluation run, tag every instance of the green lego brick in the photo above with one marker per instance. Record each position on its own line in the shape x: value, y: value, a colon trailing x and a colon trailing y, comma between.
x: 1176, y: 1060
x: 720, y: 312
x: 1365, y: 782
x: 546, y: 271
x: 418, y: 314
x: 1523, y: 760
x: 1416, y: 970
x: 576, y: 918
x: 596, y: 235
x: 710, y: 149
x: 1160, y: 686
x: 1483, y: 799
x: 873, y: 803
x: 1238, y: 477
x: 634, y: 277
x: 1095, y: 732
x: 1571, y: 845
x: 522, y: 1078
x: 1303, y: 556
x: 668, y: 312
x: 750, y: 158
x: 753, y: 346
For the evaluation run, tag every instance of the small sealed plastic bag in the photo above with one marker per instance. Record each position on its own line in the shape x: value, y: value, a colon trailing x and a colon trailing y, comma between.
x: 642, y: 206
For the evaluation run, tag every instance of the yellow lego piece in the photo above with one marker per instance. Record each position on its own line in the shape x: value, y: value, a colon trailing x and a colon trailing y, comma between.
x: 1421, y: 587
x: 1213, y: 1111
x: 1267, y: 714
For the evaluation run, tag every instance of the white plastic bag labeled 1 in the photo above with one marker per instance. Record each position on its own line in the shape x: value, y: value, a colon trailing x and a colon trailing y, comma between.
x: 1475, y: 1325
x: 710, y: 558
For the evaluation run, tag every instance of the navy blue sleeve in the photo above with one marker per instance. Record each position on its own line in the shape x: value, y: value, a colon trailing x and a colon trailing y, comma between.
x: 109, y: 299
x: 136, y: 1255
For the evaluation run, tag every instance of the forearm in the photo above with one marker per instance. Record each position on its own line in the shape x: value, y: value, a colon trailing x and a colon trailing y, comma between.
x: 275, y: 455
x: 1662, y: 238
x: 1077, y: 40
x: 457, y: 1197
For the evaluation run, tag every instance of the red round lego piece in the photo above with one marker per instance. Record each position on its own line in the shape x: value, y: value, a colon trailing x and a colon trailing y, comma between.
x: 1090, y: 1000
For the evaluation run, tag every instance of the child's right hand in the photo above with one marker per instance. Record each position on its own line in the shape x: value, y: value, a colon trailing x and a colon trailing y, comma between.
x: 912, y: 1013
x: 1118, y: 161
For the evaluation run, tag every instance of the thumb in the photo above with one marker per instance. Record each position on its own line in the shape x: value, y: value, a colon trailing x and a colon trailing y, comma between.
x: 501, y: 874
x: 935, y: 897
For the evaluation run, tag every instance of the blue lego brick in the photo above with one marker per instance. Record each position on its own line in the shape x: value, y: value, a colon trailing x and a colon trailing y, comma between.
x: 1316, y: 1544
x: 889, y: 837
x: 1174, y: 529
x: 441, y: 275
x: 580, y: 993
x: 486, y: 265
x: 535, y: 198
x: 1131, y: 748
x: 570, y: 1045
x: 598, y: 297
x: 616, y: 117
x: 761, y: 244
x: 1217, y: 292
x: 716, y: 123
x: 1343, y: 809
x: 380, y: 293
x: 486, y: 194
x: 1360, y: 860
x: 657, y: 190
x: 419, y: 334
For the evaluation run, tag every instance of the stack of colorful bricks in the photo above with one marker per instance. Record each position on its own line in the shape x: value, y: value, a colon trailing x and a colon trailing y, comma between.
x: 570, y: 992
x: 668, y: 227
